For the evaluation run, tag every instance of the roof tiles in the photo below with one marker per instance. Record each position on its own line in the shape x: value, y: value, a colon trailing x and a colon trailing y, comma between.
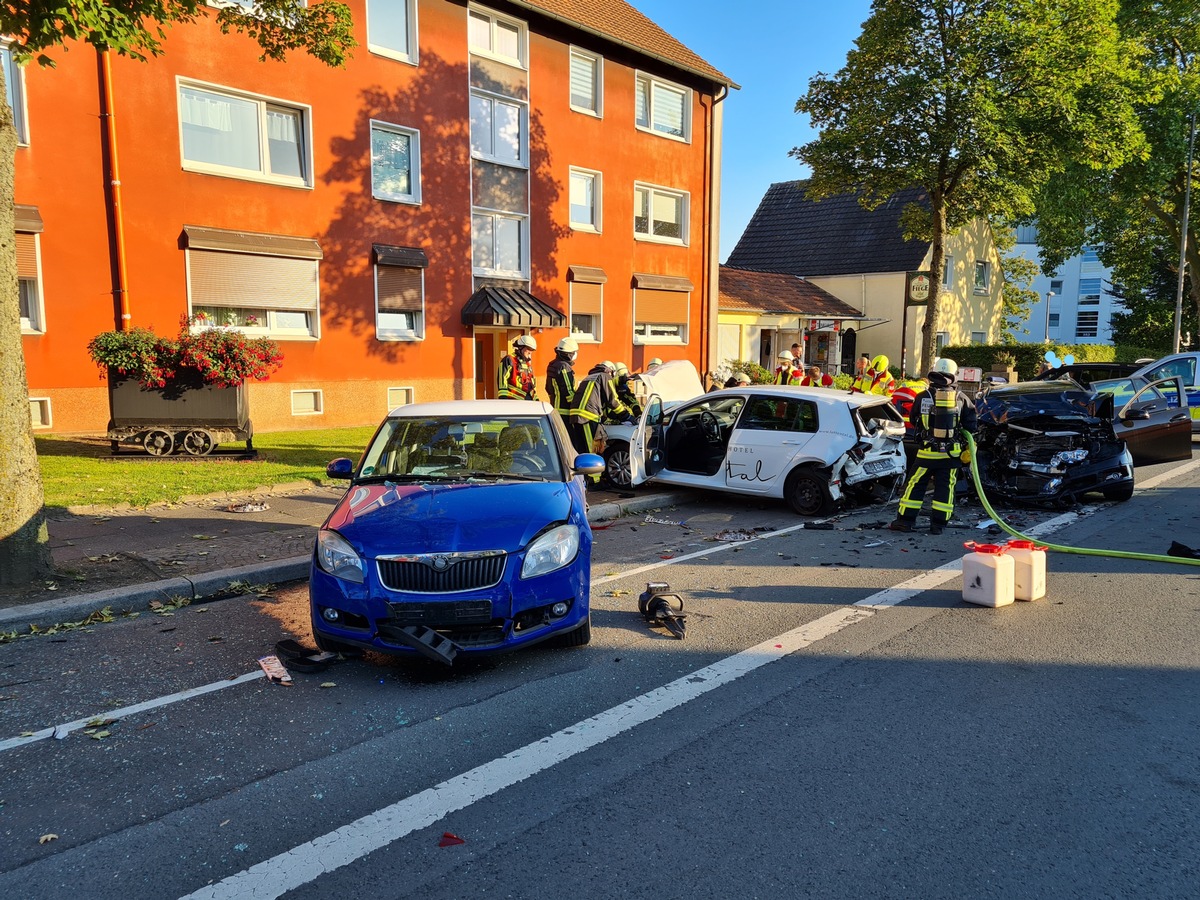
x: 776, y: 294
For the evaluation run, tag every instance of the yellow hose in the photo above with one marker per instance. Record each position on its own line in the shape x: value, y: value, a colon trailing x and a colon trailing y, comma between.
x: 1062, y: 548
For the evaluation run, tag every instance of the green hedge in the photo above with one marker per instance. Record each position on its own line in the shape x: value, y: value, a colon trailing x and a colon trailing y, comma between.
x: 1029, y: 356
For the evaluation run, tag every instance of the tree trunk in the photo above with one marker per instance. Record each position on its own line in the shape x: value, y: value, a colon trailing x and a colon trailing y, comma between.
x: 24, y: 541
x: 937, y: 263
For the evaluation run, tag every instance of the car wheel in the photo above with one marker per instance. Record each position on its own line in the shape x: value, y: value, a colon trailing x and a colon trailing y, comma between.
x: 616, y: 465
x: 580, y: 637
x: 807, y: 492
x: 1119, y: 494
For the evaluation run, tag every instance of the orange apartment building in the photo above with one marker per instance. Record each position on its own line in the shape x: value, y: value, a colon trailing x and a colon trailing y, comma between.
x: 474, y: 172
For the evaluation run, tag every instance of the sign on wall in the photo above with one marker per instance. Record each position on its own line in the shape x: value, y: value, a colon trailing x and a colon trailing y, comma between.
x: 917, y: 288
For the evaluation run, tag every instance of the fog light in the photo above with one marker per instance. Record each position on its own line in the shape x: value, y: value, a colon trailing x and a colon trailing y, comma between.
x: 329, y: 615
x: 559, y: 609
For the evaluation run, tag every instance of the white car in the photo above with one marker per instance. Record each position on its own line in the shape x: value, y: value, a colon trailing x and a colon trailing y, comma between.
x: 808, y: 446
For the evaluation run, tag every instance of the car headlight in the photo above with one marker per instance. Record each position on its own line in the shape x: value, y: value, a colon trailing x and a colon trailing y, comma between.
x: 337, y: 557
x: 553, y: 550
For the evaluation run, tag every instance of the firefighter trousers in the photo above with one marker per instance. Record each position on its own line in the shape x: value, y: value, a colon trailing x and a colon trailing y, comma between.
x: 943, y: 474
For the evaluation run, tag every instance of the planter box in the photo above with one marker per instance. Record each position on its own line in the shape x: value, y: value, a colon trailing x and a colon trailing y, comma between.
x: 186, y: 406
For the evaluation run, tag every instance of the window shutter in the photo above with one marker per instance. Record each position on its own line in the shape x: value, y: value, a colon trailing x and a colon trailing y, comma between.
x: 245, y: 280
x: 668, y: 110
x: 583, y: 82
x: 641, y: 113
x: 399, y: 289
x: 661, y: 307
x: 586, y: 299
x: 26, y: 256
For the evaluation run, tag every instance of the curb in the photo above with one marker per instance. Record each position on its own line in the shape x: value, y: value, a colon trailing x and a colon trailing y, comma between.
x: 209, y: 585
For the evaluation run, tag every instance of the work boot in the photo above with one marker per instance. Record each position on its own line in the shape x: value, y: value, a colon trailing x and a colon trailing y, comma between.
x: 900, y: 525
x: 935, y: 528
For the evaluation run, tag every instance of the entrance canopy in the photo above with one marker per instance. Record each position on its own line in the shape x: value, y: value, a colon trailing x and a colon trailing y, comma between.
x: 510, y: 307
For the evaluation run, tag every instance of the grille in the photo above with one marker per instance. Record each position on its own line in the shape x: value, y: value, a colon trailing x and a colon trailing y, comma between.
x: 442, y: 573
x: 440, y: 614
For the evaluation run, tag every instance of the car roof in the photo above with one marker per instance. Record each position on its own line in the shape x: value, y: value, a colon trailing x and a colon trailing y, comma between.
x: 463, y: 408
x: 826, y: 396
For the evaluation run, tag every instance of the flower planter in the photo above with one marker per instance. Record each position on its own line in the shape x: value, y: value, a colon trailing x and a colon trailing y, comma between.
x: 187, y: 416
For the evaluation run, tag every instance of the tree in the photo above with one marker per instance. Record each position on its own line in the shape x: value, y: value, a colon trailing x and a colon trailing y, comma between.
x: 135, y: 28
x: 1133, y: 215
x: 1148, y: 320
x: 976, y: 101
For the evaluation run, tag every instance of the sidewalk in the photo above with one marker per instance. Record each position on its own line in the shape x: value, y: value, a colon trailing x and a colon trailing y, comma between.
x: 124, y: 559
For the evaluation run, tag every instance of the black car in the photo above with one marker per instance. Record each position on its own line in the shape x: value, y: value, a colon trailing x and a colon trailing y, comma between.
x: 1050, y: 442
x: 1086, y: 373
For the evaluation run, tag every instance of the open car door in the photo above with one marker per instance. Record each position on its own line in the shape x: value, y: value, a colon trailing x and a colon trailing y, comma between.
x: 646, y: 457
x: 1155, y: 423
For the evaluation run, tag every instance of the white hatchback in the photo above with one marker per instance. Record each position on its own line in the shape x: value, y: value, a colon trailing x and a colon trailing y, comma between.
x: 808, y: 446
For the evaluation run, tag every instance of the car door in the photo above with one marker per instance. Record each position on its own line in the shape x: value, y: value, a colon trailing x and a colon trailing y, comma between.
x: 646, y: 456
x: 767, y: 436
x: 1155, y: 424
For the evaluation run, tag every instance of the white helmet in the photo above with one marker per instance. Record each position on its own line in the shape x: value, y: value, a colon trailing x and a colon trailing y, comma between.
x: 622, y: 369
x: 945, y: 366
x: 786, y: 355
x: 568, y: 345
x: 608, y: 364
x: 742, y: 378
x: 526, y: 340
x: 654, y: 362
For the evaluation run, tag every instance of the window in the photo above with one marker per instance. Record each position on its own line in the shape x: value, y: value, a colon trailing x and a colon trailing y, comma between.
x: 308, y: 403
x: 586, y: 285
x: 772, y: 414
x: 978, y: 337
x: 1052, y: 321
x: 1027, y: 234
x: 948, y: 272
x: 399, y: 396
x: 1087, y: 324
x: 498, y: 245
x: 391, y: 29
x: 940, y: 340
x: 395, y: 163
x: 39, y: 412
x: 983, y: 276
x: 399, y: 293
x: 499, y: 130
x: 1057, y: 286
x: 660, y: 214
x: 587, y: 80
x: 242, y: 136
x: 29, y: 279
x: 660, y: 309
x: 491, y: 34
x: 662, y: 107
x: 261, y: 284
x: 585, y: 200
x: 14, y: 92
x: 1089, y: 291
x: 1090, y: 256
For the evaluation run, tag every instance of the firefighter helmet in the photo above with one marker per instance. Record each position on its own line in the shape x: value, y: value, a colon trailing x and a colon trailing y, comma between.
x: 880, y: 363
x: 946, y: 366
x: 742, y: 378
x: 568, y: 345
x: 654, y: 362
x: 622, y: 369
x: 526, y: 340
x: 785, y: 355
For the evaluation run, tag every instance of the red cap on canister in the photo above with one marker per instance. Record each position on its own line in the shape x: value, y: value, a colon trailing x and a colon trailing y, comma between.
x: 1024, y: 545
x: 985, y: 548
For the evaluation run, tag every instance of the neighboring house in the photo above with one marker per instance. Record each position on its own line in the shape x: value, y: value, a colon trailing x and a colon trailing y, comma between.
x: 862, y: 259
x: 1075, y: 304
x: 761, y: 313
x: 474, y: 172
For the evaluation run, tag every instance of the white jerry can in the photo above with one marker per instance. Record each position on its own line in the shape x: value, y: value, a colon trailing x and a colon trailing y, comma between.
x: 1029, y: 569
x: 988, y: 575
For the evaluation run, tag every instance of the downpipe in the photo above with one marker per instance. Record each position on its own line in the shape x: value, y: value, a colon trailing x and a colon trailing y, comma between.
x: 1061, y: 548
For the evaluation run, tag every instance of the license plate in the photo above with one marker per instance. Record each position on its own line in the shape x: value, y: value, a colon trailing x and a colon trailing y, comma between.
x: 878, y: 465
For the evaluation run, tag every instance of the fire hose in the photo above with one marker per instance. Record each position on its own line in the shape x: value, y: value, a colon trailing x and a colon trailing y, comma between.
x: 1061, y: 548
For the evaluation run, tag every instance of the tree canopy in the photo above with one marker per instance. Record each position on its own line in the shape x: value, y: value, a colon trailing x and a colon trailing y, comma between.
x: 979, y: 102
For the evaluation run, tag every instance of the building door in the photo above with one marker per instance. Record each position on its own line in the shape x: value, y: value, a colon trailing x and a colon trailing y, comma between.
x: 490, y: 345
x: 849, y: 347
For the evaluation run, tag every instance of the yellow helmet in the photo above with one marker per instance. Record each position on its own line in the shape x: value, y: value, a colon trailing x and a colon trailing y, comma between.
x: 880, y: 363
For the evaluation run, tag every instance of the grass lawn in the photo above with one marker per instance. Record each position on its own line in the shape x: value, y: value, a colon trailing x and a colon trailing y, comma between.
x: 82, y: 471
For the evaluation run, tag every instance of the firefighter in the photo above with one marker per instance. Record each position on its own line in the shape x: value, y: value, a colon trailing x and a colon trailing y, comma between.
x: 594, y: 401
x: 939, y: 414
x: 560, y: 376
x: 816, y: 378
x: 625, y: 390
x: 516, y: 380
x: 785, y: 372
x: 875, y: 379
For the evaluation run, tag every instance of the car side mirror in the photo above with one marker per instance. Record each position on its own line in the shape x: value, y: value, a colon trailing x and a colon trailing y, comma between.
x: 340, y: 468
x: 588, y: 464
x: 1136, y: 415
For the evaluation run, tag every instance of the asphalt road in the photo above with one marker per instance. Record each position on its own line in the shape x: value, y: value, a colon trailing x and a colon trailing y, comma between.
x: 837, y: 722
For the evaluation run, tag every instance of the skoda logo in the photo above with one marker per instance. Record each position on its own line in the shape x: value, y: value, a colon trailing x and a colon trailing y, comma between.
x: 441, y: 563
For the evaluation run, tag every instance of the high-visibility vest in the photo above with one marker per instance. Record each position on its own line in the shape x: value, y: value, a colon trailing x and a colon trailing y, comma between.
x: 516, y: 380
x: 560, y: 383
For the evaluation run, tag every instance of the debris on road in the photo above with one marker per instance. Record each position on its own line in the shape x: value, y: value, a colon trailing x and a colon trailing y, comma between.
x: 734, y: 534
x: 654, y: 520
x: 450, y: 840
x: 247, y: 507
x: 47, y: 838
x: 660, y: 606
x: 1183, y: 551
x: 298, y: 658
x: 274, y: 670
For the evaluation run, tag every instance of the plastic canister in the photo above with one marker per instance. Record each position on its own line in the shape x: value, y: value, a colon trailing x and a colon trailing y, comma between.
x: 1029, y: 562
x: 988, y: 575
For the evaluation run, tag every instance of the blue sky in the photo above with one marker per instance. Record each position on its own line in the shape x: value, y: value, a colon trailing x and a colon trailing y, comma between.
x: 771, y: 48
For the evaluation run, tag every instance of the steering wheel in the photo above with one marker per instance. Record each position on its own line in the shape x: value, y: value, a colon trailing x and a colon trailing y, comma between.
x: 710, y: 427
x: 527, y: 464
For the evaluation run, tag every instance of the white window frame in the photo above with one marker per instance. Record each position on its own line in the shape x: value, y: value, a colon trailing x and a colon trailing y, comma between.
x: 647, y: 83
x: 410, y: 7
x: 597, y: 63
x: 948, y: 271
x: 318, y: 405
x: 14, y: 80
x: 270, y: 326
x: 42, y: 403
x: 596, y: 335
x: 941, y: 339
x: 685, y: 213
x: 982, y: 285
x: 410, y: 395
x: 642, y: 335
x: 523, y: 124
x: 417, y: 332
x: 597, y: 180
x: 494, y: 19
x: 523, y: 222
x: 35, y: 323
x: 414, y: 161
x: 978, y: 337
x: 265, y: 104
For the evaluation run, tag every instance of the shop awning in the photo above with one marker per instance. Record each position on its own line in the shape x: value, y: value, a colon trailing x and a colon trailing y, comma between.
x: 511, y: 307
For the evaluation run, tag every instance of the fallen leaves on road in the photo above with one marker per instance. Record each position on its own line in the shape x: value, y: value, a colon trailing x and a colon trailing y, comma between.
x: 47, y: 838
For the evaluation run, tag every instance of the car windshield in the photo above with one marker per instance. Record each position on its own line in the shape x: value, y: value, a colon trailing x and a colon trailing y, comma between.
x: 433, y: 448
x: 1122, y: 389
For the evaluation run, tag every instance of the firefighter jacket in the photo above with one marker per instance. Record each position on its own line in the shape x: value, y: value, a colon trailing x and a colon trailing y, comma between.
x: 940, y: 414
x: 516, y: 380
x: 787, y: 375
x: 872, y: 382
x: 560, y: 384
x: 595, y: 398
x: 627, y: 397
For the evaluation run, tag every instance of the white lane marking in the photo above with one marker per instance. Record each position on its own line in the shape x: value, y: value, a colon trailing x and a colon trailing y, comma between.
x: 309, y: 861
x: 1169, y: 474
x: 66, y: 728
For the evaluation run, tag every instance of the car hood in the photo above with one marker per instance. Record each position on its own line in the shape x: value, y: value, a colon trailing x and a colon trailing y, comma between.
x: 1040, y: 404
x: 673, y: 381
x: 426, y: 518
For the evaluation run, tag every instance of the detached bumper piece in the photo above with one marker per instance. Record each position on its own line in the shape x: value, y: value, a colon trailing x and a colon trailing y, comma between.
x: 425, y: 641
x: 660, y: 606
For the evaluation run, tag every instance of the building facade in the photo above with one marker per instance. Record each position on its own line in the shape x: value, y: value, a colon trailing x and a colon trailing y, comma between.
x: 1075, y: 304
x: 473, y: 173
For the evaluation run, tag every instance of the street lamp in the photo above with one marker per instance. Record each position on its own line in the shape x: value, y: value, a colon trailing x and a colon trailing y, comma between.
x: 1049, y: 294
x: 1183, y: 234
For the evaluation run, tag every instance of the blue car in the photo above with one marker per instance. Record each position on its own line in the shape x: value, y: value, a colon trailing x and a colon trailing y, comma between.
x: 464, y: 530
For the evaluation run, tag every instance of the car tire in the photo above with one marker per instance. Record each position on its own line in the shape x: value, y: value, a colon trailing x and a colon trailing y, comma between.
x: 1119, y: 494
x: 580, y: 637
x: 617, y: 471
x: 807, y: 492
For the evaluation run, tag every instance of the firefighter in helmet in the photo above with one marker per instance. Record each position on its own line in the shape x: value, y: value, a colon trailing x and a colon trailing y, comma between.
x: 516, y: 379
x: 786, y: 372
x: 595, y: 400
x: 560, y: 376
x: 939, y: 414
x: 876, y: 379
x: 625, y: 392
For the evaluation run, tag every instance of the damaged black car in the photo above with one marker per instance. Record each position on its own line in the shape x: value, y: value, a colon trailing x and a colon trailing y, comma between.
x: 1050, y: 442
